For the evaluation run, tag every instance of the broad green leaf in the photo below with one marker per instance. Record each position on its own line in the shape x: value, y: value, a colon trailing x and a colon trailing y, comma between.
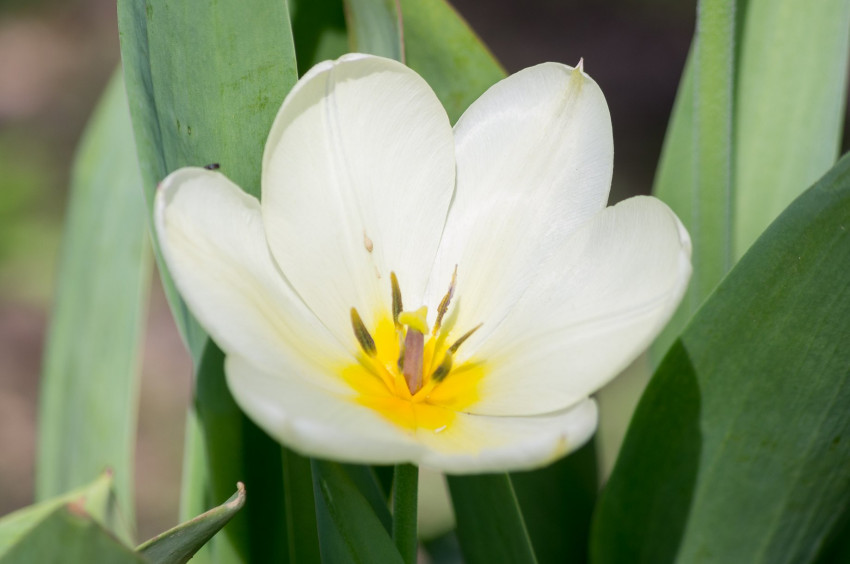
x: 178, y: 545
x: 67, y: 533
x: 374, y: 27
x: 96, y: 499
x: 737, y: 451
x: 366, y: 482
x: 440, y: 46
x: 89, y: 389
x: 792, y: 83
x: 490, y: 526
x: 557, y: 504
x: 300, y: 509
x: 205, y: 80
x: 349, y: 529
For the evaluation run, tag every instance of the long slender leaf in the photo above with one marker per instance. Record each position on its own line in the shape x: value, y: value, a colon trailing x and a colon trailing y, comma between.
x: 792, y: 83
x: 441, y: 47
x: 557, y: 505
x: 349, y: 529
x: 237, y: 447
x: 374, y: 26
x: 205, y: 80
x: 179, y: 544
x: 714, y: 72
x: 736, y: 452
x: 89, y: 395
x: 490, y: 526
x: 300, y: 509
x: 674, y: 183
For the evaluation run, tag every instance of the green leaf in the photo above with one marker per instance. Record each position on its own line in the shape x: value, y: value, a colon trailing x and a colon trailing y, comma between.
x: 792, y: 83
x: 674, y: 184
x: 318, y: 27
x: 738, y: 450
x: 193, y: 493
x: 440, y: 46
x: 490, y: 526
x: 557, y: 504
x: 36, y: 533
x: 300, y: 509
x: 89, y: 389
x: 237, y: 449
x: 68, y: 534
x: 374, y: 27
x: 178, y: 545
x: 714, y: 72
x: 205, y: 80
x: 349, y: 529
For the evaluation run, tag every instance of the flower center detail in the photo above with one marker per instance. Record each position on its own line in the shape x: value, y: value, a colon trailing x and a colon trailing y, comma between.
x: 407, y: 371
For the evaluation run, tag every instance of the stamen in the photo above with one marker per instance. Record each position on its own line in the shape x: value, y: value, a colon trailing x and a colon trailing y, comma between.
x: 443, y: 370
x: 444, y: 303
x: 414, y: 347
x: 367, y: 343
x: 453, y: 349
x: 397, y: 307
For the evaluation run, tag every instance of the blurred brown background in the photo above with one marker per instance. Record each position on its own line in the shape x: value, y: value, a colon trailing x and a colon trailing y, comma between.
x: 56, y: 56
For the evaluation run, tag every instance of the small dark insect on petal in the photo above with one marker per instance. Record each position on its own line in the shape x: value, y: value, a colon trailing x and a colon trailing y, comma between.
x: 212, y: 166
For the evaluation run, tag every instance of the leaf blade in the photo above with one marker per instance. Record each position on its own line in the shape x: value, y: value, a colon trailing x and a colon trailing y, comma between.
x: 495, y: 535
x: 737, y: 430
x: 179, y: 544
x: 90, y: 381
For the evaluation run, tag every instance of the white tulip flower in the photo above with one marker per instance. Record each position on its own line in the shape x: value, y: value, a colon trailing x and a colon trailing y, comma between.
x: 411, y: 292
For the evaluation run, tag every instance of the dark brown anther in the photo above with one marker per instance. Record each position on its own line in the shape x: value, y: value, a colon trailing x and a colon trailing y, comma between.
x: 443, y: 370
x: 453, y: 349
x: 367, y: 343
x: 212, y: 166
x: 397, y: 305
x: 444, y: 303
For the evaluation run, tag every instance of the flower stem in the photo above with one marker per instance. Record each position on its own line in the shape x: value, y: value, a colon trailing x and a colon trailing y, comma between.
x: 405, y: 491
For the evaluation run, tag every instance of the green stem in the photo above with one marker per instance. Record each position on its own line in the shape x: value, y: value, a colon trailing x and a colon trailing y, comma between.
x: 405, y: 492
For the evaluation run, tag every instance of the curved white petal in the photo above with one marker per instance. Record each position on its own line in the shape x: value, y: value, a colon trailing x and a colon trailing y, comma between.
x: 475, y: 444
x: 592, y: 307
x: 534, y: 161
x: 357, y: 177
x: 313, y: 421
x: 212, y: 238
x: 316, y: 422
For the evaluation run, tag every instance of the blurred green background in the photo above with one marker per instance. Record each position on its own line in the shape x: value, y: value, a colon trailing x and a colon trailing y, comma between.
x: 56, y: 57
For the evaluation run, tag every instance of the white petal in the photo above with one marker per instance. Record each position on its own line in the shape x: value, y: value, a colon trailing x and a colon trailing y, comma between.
x: 357, y: 177
x: 475, y: 444
x: 534, y: 161
x: 212, y: 238
x: 593, y: 306
x: 314, y: 421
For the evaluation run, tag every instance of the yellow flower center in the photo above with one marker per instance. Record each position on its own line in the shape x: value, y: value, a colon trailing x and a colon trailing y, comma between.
x: 408, y: 373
